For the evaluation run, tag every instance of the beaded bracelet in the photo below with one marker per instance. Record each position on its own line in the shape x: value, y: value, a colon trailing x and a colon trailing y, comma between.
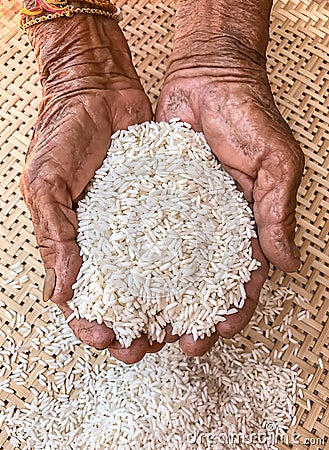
x: 60, y: 8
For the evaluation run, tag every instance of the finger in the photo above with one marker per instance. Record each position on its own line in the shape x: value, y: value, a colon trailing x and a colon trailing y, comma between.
x: 274, y: 213
x: 269, y: 170
x: 55, y: 226
x: 236, y: 322
x: 199, y: 347
x: 244, y: 182
x: 132, y: 354
x: 155, y: 347
x: 169, y: 338
x: 60, y: 253
x: 274, y: 195
x: 90, y: 333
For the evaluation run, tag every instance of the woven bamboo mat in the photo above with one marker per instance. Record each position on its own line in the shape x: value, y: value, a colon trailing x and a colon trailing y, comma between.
x: 299, y: 68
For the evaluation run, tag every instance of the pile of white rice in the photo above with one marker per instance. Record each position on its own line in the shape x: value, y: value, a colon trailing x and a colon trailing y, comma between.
x: 229, y: 399
x: 165, y: 237
x: 81, y: 399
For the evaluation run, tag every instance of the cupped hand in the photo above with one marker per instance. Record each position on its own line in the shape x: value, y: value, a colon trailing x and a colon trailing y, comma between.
x: 230, y: 101
x: 90, y: 90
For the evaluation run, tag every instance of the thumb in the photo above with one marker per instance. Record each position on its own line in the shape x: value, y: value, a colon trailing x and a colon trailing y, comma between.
x: 62, y: 263
x: 55, y: 225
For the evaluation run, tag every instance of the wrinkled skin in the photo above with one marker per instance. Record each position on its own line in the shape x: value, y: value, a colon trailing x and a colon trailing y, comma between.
x: 90, y: 90
x: 230, y: 101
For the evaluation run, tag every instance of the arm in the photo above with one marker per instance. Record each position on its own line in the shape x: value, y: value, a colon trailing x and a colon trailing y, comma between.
x: 89, y: 90
x: 216, y: 80
x: 219, y: 52
x: 213, y: 28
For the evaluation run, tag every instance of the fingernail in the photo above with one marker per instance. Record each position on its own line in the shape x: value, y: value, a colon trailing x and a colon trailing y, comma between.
x: 49, y: 284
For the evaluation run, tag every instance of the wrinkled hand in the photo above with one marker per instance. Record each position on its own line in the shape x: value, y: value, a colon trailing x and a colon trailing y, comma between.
x: 90, y: 90
x: 230, y: 101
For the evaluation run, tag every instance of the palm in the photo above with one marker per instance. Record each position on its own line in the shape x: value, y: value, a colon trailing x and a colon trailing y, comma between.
x: 247, y: 134
x: 89, y: 131
x: 70, y: 141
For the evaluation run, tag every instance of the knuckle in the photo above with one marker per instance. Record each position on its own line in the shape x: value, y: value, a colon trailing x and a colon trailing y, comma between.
x: 42, y: 167
x: 30, y: 181
x: 293, y: 160
x: 40, y: 178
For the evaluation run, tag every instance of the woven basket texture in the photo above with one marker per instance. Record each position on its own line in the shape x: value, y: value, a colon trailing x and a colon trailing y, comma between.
x: 299, y: 73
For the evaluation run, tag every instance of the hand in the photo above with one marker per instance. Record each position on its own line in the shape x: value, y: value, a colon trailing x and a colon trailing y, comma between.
x: 90, y: 90
x: 229, y: 99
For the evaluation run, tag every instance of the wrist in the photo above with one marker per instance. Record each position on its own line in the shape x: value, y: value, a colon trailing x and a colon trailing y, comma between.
x: 221, y: 32
x: 223, y: 57
x: 85, y: 51
x: 43, y: 10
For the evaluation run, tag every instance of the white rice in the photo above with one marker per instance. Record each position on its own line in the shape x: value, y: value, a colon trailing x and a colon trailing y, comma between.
x: 229, y: 399
x: 165, y: 237
x: 16, y: 280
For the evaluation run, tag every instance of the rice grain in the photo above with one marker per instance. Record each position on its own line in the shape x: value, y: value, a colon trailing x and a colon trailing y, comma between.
x: 161, y: 228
